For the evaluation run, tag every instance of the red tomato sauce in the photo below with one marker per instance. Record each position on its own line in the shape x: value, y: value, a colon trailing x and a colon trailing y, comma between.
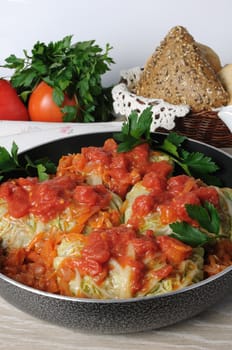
x: 119, y: 171
x: 102, y: 245
x: 169, y: 197
x: 49, y: 198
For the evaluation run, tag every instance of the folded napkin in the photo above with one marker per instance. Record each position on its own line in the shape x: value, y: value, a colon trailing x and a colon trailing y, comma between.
x: 27, y: 135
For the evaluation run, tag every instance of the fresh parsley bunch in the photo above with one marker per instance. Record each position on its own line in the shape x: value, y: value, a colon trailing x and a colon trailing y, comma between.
x: 75, y: 69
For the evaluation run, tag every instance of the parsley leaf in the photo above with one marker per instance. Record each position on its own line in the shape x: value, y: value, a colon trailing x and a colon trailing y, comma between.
x: 135, y: 130
x: 175, y: 140
x: 9, y: 162
x: 208, y: 219
x: 42, y: 175
x: 206, y: 215
x: 193, y: 163
x: 188, y: 234
x: 199, y: 162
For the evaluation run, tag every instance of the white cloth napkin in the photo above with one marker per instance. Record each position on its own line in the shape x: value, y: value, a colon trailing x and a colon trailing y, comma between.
x: 27, y: 134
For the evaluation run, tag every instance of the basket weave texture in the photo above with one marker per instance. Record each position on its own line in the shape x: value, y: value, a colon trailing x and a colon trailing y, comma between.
x: 206, y: 127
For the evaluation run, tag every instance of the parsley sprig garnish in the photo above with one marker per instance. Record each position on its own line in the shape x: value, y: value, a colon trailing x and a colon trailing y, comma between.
x: 136, y: 130
x: 193, y: 163
x: 9, y: 162
x: 208, y: 218
x: 75, y: 69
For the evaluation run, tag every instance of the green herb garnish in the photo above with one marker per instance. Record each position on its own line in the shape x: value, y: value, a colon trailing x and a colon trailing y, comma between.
x: 188, y: 234
x: 135, y: 130
x: 9, y: 162
x: 208, y: 219
x: 206, y: 215
x: 75, y: 69
x: 193, y: 163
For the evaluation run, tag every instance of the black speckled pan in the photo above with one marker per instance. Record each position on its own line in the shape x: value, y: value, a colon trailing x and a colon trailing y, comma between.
x: 127, y: 315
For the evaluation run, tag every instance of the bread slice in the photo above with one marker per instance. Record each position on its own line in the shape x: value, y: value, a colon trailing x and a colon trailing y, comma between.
x: 178, y: 73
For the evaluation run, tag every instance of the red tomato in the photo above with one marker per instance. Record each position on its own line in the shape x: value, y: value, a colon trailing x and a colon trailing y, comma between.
x: 42, y: 108
x: 11, y: 107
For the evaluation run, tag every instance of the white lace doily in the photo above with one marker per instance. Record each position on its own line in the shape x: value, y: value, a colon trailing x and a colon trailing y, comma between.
x: 125, y: 101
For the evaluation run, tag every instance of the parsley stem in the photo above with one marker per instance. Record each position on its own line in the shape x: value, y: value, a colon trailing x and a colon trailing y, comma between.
x: 182, y: 165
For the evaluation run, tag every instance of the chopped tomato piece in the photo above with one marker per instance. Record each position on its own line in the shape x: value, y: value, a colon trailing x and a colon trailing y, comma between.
x: 17, y: 198
x: 181, y: 183
x: 154, y: 182
x: 139, y: 156
x: 88, y: 266
x: 143, y: 205
x: 162, y: 168
x: 208, y: 194
x: 145, y: 246
x: 94, y: 154
x: 85, y: 195
x: 97, y: 248
x: 174, y: 250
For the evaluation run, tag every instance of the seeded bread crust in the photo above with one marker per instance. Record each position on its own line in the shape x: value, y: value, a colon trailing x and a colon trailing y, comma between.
x: 178, y: 73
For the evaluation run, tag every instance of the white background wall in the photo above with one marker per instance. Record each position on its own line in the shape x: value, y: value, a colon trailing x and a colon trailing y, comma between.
x: 133, y: 27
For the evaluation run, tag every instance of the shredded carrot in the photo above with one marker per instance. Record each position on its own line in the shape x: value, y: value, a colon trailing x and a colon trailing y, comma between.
x: 33, y: 265
x: 219, y: 258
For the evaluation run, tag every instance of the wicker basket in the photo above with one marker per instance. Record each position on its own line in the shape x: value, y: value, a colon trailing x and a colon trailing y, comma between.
x: 206, y: 127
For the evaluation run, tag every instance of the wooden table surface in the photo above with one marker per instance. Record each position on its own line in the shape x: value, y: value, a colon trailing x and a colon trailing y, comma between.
x: 211, y: 329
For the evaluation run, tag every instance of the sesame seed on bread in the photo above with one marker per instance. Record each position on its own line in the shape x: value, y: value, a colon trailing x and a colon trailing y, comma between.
x: 179, y: 73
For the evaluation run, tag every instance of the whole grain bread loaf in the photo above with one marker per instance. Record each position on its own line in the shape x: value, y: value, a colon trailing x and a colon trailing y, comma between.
x: 179, y: 73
